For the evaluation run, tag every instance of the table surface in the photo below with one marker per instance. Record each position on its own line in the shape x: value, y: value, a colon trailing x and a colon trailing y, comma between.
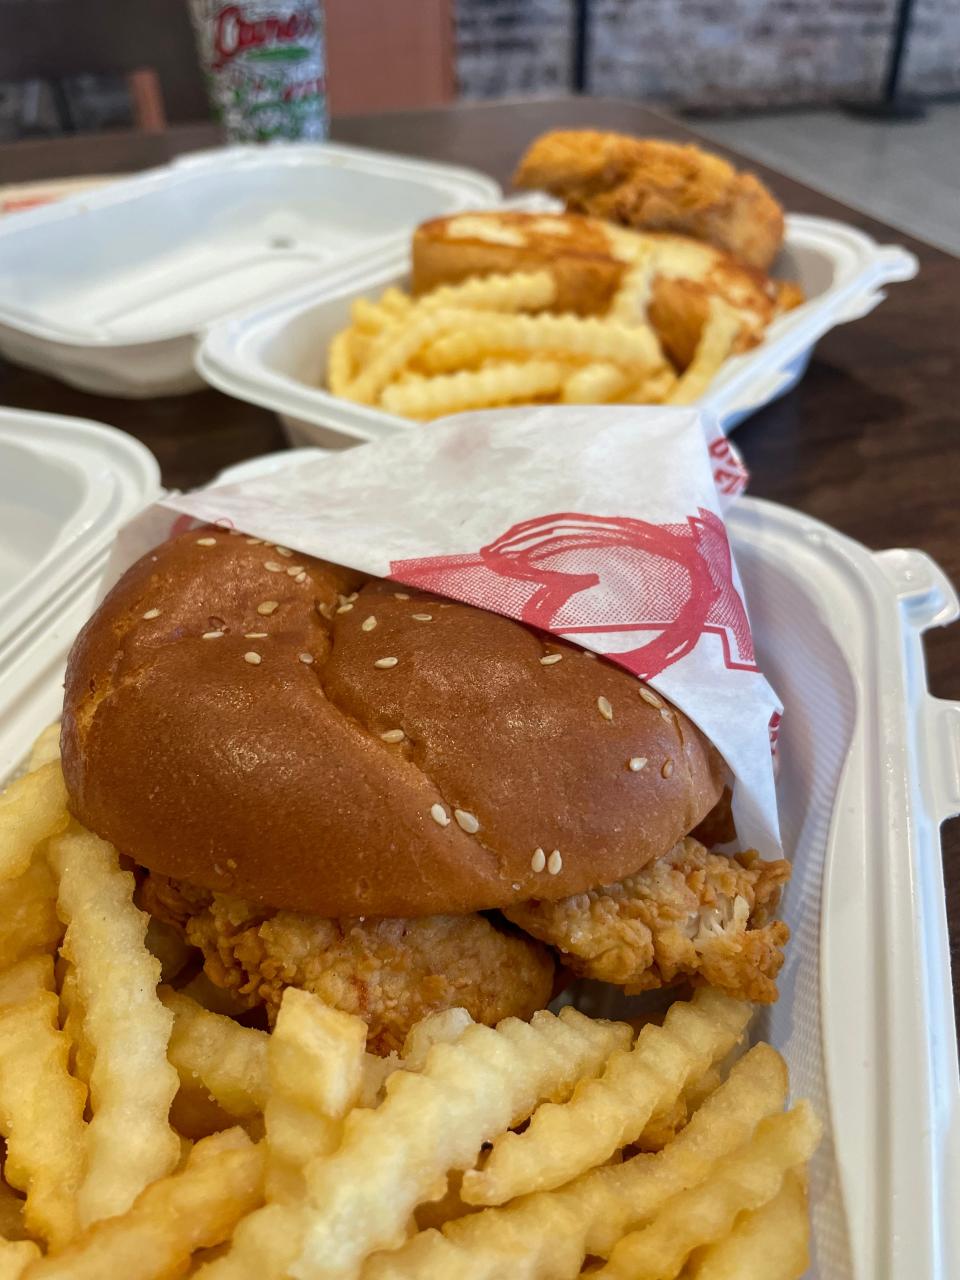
x: 868, y: 441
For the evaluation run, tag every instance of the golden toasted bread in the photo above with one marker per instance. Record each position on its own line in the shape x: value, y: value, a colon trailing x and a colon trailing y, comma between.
x: 649, y: 184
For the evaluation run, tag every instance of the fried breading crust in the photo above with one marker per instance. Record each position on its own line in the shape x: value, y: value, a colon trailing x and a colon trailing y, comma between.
x: 654, y: 185
x: 390, y: 972
x: 691, y: 915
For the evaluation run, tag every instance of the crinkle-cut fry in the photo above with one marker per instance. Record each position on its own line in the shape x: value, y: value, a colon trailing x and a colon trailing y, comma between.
x: 71, y: 1019
x: 665, y: 1123
x: 340, y: 362
x: 196, y: 1208
x: 28, y: 914
x: 46, y: 748
x: 455, y: 392
x: 740, y: 1183
x: 395, y: 302
x: 400, y: 345
x: 652, y: 389
x: 515, y: 291
x: 362, y: 1197
x: 129, y: 1139
x: 444, y: 1027
x: 588, y: 337
x: 606, y: 1114
x: 31, y: 810
x: 41, y: 1116
x: 715, y: 344
x: 371, y: 317
x: 25, y: 979
x: 629, y: 304
x: 15, y: 1257
x: 315, y: 1062
x: 211, y: 1050
x: 596, y: 383
x: 771, y: 1243
x: 547, y: 1235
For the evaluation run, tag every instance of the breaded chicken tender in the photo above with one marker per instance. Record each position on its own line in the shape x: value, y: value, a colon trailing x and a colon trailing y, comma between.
x: 690, y: 915
x: 390, y: 972
x: 649, y: 184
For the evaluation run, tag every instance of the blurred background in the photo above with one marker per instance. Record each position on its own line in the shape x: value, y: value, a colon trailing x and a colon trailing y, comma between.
x: 775, y: 78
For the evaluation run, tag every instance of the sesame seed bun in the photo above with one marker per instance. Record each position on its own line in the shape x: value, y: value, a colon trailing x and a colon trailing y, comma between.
x: 235, y: 716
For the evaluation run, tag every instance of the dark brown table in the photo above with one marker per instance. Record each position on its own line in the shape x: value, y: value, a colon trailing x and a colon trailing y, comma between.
x: 869, y: 441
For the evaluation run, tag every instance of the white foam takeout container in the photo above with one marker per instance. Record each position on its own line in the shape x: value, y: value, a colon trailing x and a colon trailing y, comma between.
x: 275, y: 354
x: 108, y: 289
x: 869, y: 768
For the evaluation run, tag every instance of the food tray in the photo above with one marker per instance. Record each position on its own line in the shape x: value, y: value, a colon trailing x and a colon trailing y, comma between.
x: 275, y: 355
x: 109, y: 289
x: 870, y: 767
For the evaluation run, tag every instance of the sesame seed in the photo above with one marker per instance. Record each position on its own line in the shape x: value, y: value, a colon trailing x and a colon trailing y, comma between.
x: 354, y: 595
x: 440, y: 816
x: 345, y: 608
x: 422, y: 617
x: 386, y: 662
x: 325, y: 610
x: 212, y: 635
x: 368, y: 623
x: 232, y: 864
x: 255, y: 635
x: 254, y: 542
x: 253, y: 658
x: 604, y: 707
x: 306, y: 658
x: 152, y: 613
x: 271, y: 566
x: 301, y: 576
x: 268, y: 607
x: 283, y: 551
x: 588, y: 653
x: 206, y: 542
x: 667, y: 770
x: 636, y: 763
x: 554, y: 863
x: 393, y: 735
x: 466, y: 820
x: 294, y: 570
x: 666, y: 713
x: 652, y: 698
x: 223, y: 523
x: 538, y: 861
x: 549, y: 659
x: 400, y: 595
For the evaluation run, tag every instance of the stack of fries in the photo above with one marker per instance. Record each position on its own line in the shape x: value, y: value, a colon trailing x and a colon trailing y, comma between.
x: 493, y: 341
x: 149, y: 1137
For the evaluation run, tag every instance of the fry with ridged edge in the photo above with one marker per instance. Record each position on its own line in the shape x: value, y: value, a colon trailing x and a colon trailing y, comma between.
x: 515, y: 291
x: 46, y: 747
x: 28, y: 914
x: 31, y: 810
x: 196, y: 1208
x: 474, y: 389
x: 25, y: 979
x: 340, y: 362
x: 608, y: 1113
x: 771, y: 1243
x: 316, y: 1062
x: 547, y: 1235
x: 213, y: 1051
x: 654, y: 388
x: 715, y: 344
x: 629, y: 303
x: 596, y: 383
x: 362, y: 1197
x: 398, y: 346
x: 737, y: 1184
x: 41, y: 1116
x: 370, y: 317
x: 586, y: 337
x: 129, y: 1139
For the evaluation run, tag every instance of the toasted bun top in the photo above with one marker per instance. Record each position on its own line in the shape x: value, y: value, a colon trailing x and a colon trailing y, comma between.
x: 272, y: 780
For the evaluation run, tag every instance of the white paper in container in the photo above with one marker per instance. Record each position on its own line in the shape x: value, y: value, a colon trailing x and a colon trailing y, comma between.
x: 603, y: 526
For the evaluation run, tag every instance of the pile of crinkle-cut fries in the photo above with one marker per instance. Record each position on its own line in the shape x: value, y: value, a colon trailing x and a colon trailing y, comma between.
x: 147, y: 1136
x: 490, y: 341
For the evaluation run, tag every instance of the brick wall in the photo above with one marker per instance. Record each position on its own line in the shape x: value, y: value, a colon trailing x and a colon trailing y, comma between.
x: 706, y: 53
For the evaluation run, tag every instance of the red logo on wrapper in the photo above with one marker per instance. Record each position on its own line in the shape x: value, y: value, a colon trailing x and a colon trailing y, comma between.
x: 573, y: 574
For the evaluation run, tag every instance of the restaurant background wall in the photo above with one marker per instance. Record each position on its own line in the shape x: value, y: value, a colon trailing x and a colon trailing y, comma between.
x: 706, y: 53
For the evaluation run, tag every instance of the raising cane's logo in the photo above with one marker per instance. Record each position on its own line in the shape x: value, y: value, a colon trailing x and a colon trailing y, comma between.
x: 233, y: 34
x: 572, y: 573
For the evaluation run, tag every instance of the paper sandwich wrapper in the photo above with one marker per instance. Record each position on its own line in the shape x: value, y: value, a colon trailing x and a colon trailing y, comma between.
x: 602, y: 525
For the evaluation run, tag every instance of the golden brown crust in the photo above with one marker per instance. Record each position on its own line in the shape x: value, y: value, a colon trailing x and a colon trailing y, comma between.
x: 272, y: 781
x: 650, y: 184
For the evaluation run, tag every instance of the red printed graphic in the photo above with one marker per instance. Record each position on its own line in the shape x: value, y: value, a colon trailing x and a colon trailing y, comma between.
x: 729, y: 474
x: 572, y: 574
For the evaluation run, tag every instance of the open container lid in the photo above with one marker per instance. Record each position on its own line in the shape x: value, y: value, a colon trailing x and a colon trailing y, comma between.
x: 164, y: 253
x: 66, y: 486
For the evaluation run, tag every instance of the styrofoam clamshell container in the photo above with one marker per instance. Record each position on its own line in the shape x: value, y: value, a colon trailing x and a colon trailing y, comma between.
x: 869, y: 768
x: 110, y: 289
x: 275, y: 355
